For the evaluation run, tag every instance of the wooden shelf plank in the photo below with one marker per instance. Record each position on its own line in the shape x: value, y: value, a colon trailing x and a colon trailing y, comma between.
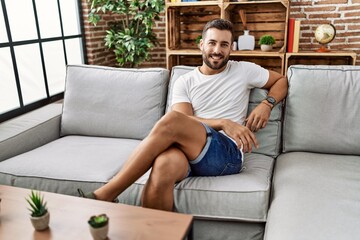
x: 197, y: 3
x: 307, y: 57
x: 257, y: 53
x: 323, y: 54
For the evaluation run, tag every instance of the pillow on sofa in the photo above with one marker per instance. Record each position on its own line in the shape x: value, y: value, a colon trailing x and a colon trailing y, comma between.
x: 269, y: 137
x: 322, y: 112
x: 113, y: 102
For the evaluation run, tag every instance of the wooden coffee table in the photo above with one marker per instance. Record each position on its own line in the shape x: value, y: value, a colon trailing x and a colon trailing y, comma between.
x: 69, y: 215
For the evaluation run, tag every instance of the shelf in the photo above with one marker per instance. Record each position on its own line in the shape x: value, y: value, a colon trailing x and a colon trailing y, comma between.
x: 285, y: 3
x: 186, y: 20
x: 270, y: 60
x: 320, y: 58
x: 331, y: 53
x: 226, y: 2
x: 257, y: 53
x: 197, y: 3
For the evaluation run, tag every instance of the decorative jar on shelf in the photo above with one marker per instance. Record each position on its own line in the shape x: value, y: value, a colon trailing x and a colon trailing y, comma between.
x: 246, y: 41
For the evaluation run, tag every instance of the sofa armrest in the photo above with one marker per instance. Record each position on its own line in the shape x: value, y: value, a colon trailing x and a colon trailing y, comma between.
x: 30, y: 131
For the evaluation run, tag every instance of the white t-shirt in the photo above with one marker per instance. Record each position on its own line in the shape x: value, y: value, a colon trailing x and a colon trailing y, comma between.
x: 221, y: 96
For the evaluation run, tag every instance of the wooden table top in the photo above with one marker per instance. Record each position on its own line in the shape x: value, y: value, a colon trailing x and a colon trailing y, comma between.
x: 69, y: 216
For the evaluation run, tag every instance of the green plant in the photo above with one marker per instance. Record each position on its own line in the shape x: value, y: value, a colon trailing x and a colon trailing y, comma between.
x: 98, y: 221
x: 37, y: 204
x: 197, y: 40
x: 132, y: 37
x: 267, y: 40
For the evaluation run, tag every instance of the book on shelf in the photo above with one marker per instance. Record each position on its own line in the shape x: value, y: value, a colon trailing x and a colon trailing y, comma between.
x: 293, y: 37
x: 296, y: 36
x: 290, y: 37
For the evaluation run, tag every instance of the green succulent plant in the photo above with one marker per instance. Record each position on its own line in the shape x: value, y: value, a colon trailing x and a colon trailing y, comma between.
x: 37, y: 204
x: 98, y: 221
x: 267, y: 40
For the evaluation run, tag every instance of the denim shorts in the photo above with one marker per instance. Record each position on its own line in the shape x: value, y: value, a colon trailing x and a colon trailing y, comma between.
x: 220, y: 156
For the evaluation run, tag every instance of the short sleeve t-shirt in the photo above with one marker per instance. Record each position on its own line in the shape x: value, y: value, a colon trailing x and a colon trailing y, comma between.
x: 220, y: 96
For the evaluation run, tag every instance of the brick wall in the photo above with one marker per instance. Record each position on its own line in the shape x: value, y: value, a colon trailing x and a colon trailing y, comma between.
x: 343, y: 14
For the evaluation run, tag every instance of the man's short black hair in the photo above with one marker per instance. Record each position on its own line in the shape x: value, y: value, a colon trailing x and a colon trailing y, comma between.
x: 220, y: 24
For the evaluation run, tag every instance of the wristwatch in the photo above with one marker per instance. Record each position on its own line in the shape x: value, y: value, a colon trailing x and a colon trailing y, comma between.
x: 271, y: 100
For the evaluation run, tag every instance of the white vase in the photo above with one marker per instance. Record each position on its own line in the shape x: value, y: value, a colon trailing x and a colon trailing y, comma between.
x: 99, y: 233
x: 266, y: 48
x: 246, y: 41
x: 40, y: 223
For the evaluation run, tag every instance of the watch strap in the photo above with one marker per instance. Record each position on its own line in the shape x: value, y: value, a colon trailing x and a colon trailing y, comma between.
x: 267, y: 103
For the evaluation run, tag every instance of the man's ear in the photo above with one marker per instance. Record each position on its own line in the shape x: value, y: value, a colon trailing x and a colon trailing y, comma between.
x: 201, y: 43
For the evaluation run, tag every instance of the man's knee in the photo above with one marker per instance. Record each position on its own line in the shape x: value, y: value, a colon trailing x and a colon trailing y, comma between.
x: 172, y: 118
x: 169, y: 168
x: 169, y: 124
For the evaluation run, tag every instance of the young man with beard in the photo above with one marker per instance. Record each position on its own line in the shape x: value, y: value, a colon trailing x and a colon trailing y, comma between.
x: 206, y: 131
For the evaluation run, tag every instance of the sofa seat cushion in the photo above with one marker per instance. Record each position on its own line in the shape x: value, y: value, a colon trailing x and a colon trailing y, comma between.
x: 315, y: 196
x: 239, y: 197
x: 68, y: 163
x: 113, y: 102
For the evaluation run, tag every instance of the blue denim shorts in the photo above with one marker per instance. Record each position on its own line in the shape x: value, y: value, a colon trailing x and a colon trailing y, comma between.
x: 220, y: 156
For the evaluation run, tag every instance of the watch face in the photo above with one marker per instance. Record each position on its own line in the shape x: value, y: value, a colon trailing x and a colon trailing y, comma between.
x: 271, y: 100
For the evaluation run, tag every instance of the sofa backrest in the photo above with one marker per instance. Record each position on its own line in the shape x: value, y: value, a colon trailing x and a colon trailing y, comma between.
x: 269, y: 137
x: 113, y: 102
x: 322, y: 111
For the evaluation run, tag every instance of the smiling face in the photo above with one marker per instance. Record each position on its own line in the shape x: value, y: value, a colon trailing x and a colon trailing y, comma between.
x: 215, y: 48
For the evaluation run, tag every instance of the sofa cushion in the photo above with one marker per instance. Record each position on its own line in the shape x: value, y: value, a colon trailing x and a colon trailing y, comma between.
x: 315, y: 196
x: 95, y: 96
x: 269, y: 137
x: 238, y: 197
x: 68, y: 163
x: 321, y: 113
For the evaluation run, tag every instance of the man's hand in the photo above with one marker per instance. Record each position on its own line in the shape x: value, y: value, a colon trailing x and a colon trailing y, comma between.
x: 244, y: 138
x: 259, y: 117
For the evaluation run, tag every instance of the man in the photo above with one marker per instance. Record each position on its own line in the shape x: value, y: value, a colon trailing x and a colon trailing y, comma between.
x: 204, y: 134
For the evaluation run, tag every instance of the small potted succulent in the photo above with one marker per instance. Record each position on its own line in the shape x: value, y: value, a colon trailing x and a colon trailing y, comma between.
x: 99, y: 226
x: 39, y: 214
x: 266, y: 42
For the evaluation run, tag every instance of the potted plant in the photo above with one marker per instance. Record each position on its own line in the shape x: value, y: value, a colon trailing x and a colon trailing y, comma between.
x: 40, y: 215
x: 197, y: 40
x: 99, y: 226
x: 132, y: 37
x: 266, y: 42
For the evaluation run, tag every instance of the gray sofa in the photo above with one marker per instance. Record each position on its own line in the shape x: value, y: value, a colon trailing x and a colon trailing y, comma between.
x: 85, y: 140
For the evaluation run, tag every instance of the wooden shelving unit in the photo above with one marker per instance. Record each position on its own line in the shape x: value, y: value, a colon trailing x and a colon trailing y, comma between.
x: 320, y: 58
x: 185, y: 21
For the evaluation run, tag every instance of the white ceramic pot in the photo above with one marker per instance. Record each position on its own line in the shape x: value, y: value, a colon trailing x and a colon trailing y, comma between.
x: 99, y: 233
x: 266, y: 48
x: 40, y: 223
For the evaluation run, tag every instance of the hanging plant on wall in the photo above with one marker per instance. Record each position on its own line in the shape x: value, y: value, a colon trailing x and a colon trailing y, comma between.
x: 132, y: 37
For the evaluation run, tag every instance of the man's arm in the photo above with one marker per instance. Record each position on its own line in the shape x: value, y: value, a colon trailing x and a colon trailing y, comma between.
x: 277, y: 85
x: 242, y: 135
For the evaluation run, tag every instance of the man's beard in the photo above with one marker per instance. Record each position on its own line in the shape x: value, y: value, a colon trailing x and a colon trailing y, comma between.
x: 223, y: 60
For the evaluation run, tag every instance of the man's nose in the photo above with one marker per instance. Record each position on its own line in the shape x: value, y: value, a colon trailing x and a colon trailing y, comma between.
x: 217, y: 48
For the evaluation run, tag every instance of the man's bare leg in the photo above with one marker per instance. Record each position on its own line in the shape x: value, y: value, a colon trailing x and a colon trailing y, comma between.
x: 174, y: 128
x: 169, y: 167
